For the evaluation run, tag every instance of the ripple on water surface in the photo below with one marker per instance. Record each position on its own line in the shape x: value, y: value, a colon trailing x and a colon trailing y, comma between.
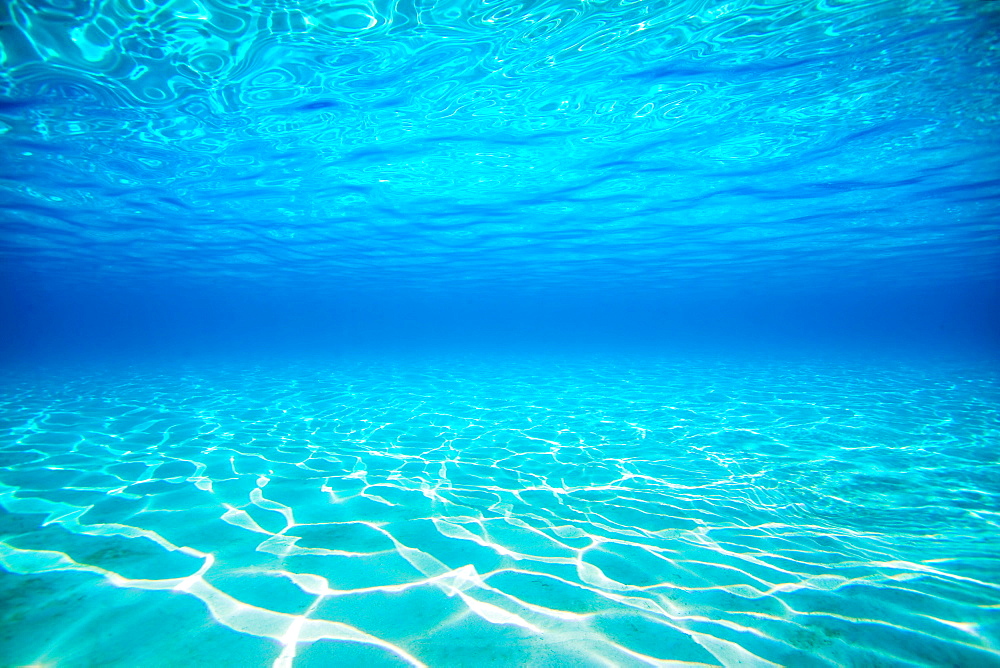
x: 540, y: 513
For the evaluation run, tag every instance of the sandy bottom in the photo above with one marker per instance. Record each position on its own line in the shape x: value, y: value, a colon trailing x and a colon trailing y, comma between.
x: 521, y: 512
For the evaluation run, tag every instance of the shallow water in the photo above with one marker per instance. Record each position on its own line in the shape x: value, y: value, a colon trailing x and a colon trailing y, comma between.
x: 535, y: 511
x: 591, y: 333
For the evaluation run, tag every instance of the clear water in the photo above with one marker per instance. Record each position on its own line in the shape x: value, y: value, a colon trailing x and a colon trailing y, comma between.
x: 499, y: 333
x: 557, y: 513
x: 632, y: 145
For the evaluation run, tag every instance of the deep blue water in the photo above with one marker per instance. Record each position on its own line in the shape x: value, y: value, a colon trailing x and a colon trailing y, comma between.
x: 499, y: 333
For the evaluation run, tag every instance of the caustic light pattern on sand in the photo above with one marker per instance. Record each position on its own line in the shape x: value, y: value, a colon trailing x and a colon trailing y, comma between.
x: 694, y: 513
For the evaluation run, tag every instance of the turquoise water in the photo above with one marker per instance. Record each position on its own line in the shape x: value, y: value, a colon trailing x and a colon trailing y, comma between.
x: 574, y: 512
x: 499, y: 333
x: 374, y: 146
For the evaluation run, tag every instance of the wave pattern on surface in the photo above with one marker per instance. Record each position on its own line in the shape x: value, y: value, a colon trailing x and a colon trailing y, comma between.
x: 509, y: 143
x: 530, y: 513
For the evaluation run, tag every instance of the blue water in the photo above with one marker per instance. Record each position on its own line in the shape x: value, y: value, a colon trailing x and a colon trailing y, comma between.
x: 499, y: 333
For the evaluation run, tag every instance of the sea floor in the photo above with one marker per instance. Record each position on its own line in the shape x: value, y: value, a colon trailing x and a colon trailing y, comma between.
x: 515, y: 512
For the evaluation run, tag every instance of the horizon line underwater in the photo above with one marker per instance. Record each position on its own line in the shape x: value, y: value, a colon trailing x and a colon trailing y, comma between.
x: 510, y: 333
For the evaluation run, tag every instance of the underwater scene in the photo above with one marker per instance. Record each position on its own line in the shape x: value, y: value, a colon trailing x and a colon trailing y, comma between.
x: 499, y: 333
